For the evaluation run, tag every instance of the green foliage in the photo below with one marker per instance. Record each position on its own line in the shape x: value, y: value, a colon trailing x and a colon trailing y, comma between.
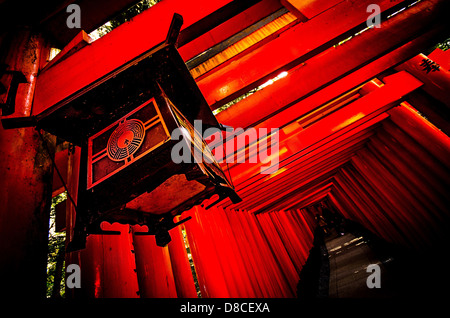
x: 444, y: 45
x: 191, y: 262
x: 126, y: 15
x: 234, y: 101
x: 56, y: 254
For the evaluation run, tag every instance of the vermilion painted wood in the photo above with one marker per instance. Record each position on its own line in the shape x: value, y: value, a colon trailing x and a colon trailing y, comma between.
x: 280, y: 253
x: 407, y: 213
x: 356, y: 113
x: 184, y: 281
x: 369, y: 190
x: 441, y: 57
x: 25, y: 174
x: 421, y: 130
x: 260, y: 244
x: 153, y: 267
x: 73, y: 170
x: 340, y: 139
x: 108, y: 265
x: 114, y: 49
x: 297, y: 169
x: 229, y: 28
x: 290, y: 48
x: 382, y: 186
x: 299, y: 172
x: 61, y: 161
x: 381, y: 189
x: 436, y: 173
x: 282, y: 93
x: 373, y: 213
x: 310, y: 8
x: 209, y: 271
x: 422, y: 193
x: 246, y: 249
x: 339, y: 62
x: 363, y: 203
x: 430, y: 194
x: 288, y: 140
x: 436, y: 82
x: 281, y: 189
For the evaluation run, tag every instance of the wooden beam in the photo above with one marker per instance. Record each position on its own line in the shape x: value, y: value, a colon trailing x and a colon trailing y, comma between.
x: 347, y: 66
x: 309, y: 8
x: 228, y: 29
x: 436, y: 80
x: 119, y: 46
x: 291, y: 48
x: 355, y: 114
x: 246, y: 176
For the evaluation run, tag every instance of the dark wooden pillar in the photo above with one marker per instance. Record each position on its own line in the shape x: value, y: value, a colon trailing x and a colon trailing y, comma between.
x: 25, y: 176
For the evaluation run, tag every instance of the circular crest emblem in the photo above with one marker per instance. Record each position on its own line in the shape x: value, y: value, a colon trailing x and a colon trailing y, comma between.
x: 125, y: 139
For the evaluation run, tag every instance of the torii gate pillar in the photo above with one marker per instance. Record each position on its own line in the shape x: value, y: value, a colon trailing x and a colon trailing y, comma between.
x: 25, y: 174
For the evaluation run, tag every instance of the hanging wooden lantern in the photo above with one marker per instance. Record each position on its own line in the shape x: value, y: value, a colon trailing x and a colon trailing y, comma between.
x: 130, y: 176
x: 124, y: 123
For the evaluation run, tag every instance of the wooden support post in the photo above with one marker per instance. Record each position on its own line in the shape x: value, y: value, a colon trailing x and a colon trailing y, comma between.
x: 184, y: 281
x: 153, y: 267
x: 25, y: 181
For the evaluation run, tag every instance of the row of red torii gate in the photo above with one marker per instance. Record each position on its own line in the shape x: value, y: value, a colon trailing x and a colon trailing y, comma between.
x: 362, y: 115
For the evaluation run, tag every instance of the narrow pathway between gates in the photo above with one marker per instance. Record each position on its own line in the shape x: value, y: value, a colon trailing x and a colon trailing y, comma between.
x: 349, y: 258
x: 337, y: 267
